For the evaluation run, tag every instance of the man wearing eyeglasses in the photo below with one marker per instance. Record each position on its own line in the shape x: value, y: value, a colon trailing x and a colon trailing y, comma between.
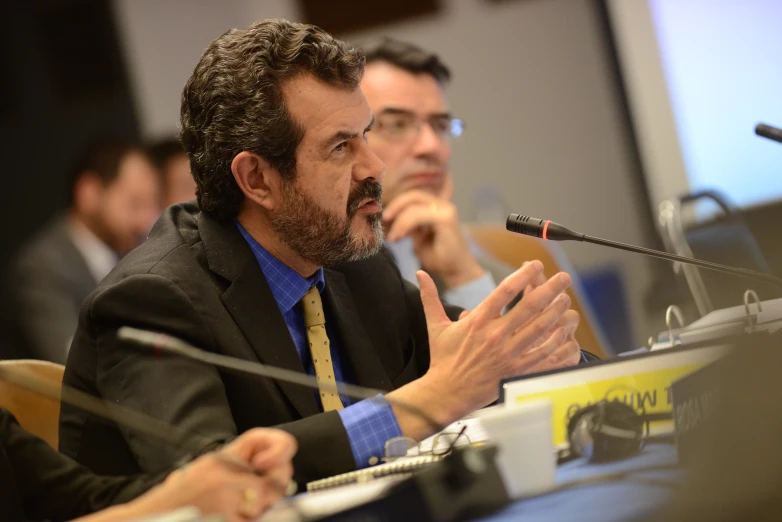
x: 414, y: 128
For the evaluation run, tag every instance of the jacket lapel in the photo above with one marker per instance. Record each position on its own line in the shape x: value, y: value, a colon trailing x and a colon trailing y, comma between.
x: 251, y: 304
x: 357, y: 349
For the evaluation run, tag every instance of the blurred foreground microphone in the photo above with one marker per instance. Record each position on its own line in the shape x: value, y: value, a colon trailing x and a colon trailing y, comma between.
x: 162, y: 343
x: 141, y: 423
x: 464, y: 486
x: 769, y: 132
x: 547, y: 229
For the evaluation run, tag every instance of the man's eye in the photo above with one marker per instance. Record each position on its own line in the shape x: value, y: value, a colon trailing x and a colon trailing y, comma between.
x: 341, y: 146
x: 441, y: 125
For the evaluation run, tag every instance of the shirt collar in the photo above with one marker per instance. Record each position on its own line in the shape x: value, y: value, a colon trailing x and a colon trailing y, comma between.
x: 287, y: 286
x: 100, y: 258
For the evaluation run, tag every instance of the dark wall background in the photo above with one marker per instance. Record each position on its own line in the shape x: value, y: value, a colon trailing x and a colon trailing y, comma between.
x: 62, y: 84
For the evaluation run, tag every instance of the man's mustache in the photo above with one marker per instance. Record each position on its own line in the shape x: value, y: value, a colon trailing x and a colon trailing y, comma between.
x: 368, y: 189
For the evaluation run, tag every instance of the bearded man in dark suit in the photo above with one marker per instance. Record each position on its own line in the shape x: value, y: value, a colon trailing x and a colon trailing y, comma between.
x: 281, y: 262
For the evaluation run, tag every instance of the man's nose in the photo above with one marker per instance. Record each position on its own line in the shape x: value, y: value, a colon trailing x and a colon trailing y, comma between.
x: 427, y: 142
x: 370, y: 166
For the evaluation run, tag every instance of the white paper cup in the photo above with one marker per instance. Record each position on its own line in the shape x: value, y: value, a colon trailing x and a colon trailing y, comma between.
x: 523, y: 435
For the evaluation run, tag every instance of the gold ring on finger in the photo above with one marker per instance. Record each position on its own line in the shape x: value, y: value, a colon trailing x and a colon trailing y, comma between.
x: 247, y: 507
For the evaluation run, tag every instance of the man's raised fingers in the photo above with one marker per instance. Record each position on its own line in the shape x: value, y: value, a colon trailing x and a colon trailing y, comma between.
x: 433, y: 307
x: 530, y: 359
x: 508, y: 289
x: 537, y: 300
x: 542, y: 324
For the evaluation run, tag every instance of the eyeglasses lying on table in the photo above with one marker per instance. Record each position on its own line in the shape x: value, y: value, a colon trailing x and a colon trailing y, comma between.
x: 442, y: 445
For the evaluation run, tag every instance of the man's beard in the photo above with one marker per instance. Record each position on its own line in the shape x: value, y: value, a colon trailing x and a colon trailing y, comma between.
x: 322, y: 237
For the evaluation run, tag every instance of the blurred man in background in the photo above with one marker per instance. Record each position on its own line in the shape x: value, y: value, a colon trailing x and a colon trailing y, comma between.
x: 174, y: 166
x: 404, y: 86
x: 114, y: 202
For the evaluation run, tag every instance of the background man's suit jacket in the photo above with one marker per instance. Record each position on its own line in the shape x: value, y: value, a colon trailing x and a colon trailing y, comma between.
x: 47, y: 283
x: 196, y: 278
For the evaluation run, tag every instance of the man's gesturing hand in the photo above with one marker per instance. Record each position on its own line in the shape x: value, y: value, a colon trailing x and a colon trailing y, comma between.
x: 569, y: 353
x: 469, y: 357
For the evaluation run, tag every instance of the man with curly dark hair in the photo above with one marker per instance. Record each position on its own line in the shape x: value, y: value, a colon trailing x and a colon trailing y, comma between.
x: 281, y: 262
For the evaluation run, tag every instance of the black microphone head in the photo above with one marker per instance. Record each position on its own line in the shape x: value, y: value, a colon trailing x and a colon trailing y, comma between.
x: 529, y: 226
x: 542, y: 228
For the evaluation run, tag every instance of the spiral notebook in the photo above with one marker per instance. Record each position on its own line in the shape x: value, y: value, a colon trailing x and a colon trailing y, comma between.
x: 316, y: 505
x: 401, y: 467
x: 469, y: 425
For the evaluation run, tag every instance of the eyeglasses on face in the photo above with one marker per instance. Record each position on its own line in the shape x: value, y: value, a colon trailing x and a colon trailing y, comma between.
x: 405, y: 126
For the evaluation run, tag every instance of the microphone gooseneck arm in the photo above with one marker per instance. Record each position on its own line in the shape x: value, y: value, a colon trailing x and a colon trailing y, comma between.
x: 163, y: 343
x: 548, y: 230
x: 743, y: 272
x: 139, y: 422
x: 167, y: 344
x: 769, y: 132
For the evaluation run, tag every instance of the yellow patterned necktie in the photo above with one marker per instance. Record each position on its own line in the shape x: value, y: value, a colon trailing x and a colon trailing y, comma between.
x: 320, y: 348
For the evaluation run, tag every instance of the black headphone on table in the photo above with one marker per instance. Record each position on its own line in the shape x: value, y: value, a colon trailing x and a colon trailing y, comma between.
x: 609, y: 430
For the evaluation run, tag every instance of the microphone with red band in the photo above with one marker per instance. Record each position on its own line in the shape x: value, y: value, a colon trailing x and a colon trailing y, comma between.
x: 549, y: 230
x: 544, y: 229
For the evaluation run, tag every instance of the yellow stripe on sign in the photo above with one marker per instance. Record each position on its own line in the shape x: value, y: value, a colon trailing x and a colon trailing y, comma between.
x: 648, y: 391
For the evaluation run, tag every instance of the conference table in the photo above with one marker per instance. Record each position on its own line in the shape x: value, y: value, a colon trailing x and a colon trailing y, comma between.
x: 632, y: 488
x: 618, y: 491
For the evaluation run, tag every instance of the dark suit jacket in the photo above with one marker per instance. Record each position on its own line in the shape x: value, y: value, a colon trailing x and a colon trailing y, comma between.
x: 196, y: 278
x: 37, y: 483
x: 48, y: 281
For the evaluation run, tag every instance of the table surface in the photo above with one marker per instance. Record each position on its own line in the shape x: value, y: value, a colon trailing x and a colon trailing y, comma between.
x: 638, y: 492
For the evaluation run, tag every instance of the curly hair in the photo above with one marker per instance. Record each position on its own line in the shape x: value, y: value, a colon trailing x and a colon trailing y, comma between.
x: 233, y: 102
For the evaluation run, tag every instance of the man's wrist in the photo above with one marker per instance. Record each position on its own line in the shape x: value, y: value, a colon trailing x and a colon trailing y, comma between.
x: 424, y: 407
x: 367, y: 423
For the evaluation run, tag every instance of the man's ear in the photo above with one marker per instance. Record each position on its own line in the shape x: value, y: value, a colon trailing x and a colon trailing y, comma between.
x: 259, y: 181
x: 87, y: 192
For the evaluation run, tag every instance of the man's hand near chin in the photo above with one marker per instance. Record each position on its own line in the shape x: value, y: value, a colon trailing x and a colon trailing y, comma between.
x: 439, y: 242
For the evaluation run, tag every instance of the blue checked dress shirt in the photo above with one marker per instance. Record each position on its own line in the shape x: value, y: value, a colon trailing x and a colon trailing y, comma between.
x: 370, y: 423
